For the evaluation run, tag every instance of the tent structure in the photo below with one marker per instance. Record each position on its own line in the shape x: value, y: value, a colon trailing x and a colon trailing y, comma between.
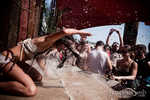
x: 89, y: 13
x: 82, y: 14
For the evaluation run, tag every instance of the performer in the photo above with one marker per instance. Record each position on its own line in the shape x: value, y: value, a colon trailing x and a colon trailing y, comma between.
x: 18, y: 82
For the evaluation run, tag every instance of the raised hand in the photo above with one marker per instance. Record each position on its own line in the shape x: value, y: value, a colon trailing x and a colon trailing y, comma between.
x: 116, y: 78
x: 111, y: 31
x: 115, y: 30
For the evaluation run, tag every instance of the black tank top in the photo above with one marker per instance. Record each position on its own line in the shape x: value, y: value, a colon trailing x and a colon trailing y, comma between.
x: 126, y: 71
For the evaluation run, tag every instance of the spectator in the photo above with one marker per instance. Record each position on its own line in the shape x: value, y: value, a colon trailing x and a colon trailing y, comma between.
x: 126, y: 68
x: 107, y: 49
x: 115, y: 55
x: 143, y: 62
x: 98, y: 61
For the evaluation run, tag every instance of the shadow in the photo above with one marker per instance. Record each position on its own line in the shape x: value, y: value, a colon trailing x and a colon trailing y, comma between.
x: 4, y: 93
x: 118, y: 87
x: 135, y: 98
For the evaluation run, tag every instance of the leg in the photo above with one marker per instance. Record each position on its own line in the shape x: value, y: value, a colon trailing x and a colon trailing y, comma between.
x: 41, y: 62
x: 31, y: 71
x: 22, y: 84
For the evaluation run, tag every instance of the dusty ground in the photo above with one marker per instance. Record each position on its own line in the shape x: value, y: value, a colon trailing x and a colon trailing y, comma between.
x: 69, y: 83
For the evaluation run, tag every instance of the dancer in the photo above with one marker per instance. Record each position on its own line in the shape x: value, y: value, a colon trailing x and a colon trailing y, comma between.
x: 20, y: 83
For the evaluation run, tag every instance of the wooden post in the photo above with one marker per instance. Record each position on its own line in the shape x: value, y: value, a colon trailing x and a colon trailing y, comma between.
x: 31, y: 21
x: 130, y: 33
x: 23, y: 20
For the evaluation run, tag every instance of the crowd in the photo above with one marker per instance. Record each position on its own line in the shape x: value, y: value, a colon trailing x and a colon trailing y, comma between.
x: 128, y: 64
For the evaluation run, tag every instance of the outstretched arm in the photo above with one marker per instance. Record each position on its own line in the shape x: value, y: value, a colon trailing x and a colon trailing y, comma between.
x: 44, y: 42
x: 108, y: 37
x: 120, y: 39
x: 110, y: 33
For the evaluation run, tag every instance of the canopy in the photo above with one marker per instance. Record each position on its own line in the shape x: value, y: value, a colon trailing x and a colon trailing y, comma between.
x: 89, y: 13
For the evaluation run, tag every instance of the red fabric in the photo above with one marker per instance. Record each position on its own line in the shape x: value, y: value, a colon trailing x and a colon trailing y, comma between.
x: 88, y: 13
x: 61, y: 56
x: 108, y: 52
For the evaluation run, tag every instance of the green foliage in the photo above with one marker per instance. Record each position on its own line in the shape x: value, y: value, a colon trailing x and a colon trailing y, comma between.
x: 52, y: 17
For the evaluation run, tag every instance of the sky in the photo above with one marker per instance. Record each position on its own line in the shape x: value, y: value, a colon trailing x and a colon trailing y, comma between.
x: 48, y: 1
x: 100, y: 33
x: 143, y: 34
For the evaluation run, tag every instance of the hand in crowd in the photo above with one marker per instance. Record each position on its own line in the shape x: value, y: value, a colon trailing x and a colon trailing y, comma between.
x: 116, y: 77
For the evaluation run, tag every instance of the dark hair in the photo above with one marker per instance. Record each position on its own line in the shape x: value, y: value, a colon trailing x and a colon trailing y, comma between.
x: 141, y: 47
x: 115, y: 43
x: 125, y: 49
x: 67, y: 43
x: 66, y: 40
x: 106, y: 47
x: 99, y: 43
x: 58, y: 42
